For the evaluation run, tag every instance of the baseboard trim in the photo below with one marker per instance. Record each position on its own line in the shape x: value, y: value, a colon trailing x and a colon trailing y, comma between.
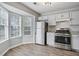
x: 75, y: 50
x: 10, y: 48
x: 5, y: 52
x: 27, y: 42
x: 15, y: 46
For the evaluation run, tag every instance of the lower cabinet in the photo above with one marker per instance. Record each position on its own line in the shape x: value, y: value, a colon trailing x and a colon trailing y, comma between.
x: 75, y: 42
x: 51, y: 39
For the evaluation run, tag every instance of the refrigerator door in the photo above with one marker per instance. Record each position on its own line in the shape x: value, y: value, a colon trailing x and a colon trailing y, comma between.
x: 39, y: 25
x: 40, y: 33
x: 39, y: 39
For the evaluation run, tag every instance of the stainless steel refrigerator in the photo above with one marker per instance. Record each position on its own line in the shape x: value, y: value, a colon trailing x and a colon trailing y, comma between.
x: 41, y: 31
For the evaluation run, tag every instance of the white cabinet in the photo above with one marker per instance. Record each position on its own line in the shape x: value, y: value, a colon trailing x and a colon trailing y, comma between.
x: 64, y: 24
x: 51, y: 20
x: 74, y: 28
x: 45, y: 18
x: 74, y: 21
x: 75, y: 42
x: 63, y: 16
x: 75, y: 18
x: 39, y: 18
x: 51, y: 39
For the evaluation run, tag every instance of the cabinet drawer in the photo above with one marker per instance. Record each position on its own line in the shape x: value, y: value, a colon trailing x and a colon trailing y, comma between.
x: 62, y: 16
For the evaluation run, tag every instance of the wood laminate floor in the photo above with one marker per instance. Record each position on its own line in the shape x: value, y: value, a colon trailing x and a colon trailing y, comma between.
x: 38, y: 50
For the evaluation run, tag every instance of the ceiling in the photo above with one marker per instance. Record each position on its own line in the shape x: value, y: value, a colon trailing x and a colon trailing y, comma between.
x: 40, y: 8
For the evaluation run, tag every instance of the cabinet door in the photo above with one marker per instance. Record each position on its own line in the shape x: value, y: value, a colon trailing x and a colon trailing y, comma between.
x: 62, y: 16
x: 50, y: 39
x: 74, y: 28
x: 39, y: 18
x: 75, y: 18
x: 75, y: 42
x: 51, y: 20
x: 45, y: 18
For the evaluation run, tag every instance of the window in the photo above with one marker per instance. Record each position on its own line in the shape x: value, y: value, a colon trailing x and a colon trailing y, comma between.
x: 27, y: 21
x: 10, y: 24
x: 3, y: 23
x: 15, y: 25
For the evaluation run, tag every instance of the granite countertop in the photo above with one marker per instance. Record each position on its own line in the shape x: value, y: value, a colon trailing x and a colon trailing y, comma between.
x: 74, y: 32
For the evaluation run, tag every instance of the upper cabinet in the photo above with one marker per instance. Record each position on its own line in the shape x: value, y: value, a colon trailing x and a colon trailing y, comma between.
x: 51, y: 20
x: 62, y: 16
x: 75, y: 18
x: 45, y: 18
x: 74, y: 23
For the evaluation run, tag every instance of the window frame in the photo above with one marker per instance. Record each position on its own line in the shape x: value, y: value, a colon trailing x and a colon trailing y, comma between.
x: 30, y: 26
x: 20, y: 30
x: 5, y: 24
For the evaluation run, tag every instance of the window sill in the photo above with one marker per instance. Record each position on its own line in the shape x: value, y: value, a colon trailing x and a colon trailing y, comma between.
x: 15, y: 37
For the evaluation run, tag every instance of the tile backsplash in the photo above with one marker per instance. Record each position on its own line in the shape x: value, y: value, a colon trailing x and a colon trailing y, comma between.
x: 51, y: 28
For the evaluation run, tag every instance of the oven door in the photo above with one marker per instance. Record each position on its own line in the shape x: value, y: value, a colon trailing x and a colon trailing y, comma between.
x: 63, y: 40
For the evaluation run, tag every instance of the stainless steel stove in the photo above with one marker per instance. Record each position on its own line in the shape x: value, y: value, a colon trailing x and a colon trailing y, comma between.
x: 63, y: 39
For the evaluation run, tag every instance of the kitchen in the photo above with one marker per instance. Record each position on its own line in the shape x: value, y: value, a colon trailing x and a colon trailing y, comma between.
x: 35, y: 27
x: 59, y: 21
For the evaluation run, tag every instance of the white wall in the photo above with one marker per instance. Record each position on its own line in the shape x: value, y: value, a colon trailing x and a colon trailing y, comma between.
x: 4, y: 46
x: 13, y: 42
x: 61, y: 11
